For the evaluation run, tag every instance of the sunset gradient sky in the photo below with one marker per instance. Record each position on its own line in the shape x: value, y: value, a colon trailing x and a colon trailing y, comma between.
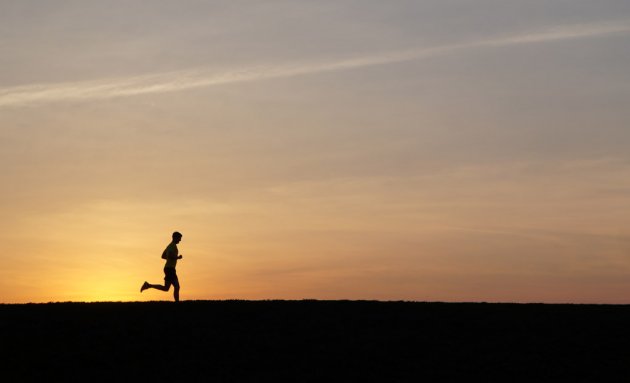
x: 434, y: 150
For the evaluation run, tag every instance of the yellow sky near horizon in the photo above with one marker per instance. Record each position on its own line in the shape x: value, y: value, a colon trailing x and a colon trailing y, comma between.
x: 414, y: 151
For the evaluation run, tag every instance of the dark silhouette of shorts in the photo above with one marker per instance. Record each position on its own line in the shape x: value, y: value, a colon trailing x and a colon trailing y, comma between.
x: 170, y: 275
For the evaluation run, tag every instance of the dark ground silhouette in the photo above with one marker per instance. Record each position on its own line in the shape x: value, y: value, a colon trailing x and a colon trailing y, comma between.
x: 315, y: 341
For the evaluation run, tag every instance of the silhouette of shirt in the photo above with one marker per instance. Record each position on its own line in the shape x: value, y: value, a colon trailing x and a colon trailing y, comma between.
x: 170, y: 253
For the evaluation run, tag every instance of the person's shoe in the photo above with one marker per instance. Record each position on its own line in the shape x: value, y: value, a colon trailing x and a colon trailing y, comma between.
x: 144, y: 286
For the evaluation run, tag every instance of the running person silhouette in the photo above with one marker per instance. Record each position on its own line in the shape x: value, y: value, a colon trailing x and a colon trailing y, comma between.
x: 171, y: 254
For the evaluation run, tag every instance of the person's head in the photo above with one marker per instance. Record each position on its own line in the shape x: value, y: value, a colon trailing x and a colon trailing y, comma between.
x: 177, y: 236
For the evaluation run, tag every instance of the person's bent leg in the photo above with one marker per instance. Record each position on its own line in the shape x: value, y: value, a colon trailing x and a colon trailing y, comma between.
x: 166, y: 287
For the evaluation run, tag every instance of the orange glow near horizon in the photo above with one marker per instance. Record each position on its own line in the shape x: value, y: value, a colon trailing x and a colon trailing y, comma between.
x: 295, y: 243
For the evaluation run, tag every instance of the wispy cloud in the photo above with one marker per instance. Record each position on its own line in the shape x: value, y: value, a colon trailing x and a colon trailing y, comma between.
x: 190, y: 79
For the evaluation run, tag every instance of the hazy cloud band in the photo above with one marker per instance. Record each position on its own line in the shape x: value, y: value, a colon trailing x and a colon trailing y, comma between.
x: 189, y: 79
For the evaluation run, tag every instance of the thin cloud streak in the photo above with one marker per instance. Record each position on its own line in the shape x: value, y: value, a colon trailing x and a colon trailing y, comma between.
x: 191, y: 79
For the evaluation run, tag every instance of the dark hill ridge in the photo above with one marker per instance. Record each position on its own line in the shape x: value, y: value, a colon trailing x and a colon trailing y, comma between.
x: 315, y: 341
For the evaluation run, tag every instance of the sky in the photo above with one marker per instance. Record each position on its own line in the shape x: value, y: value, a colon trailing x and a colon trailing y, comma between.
x: 438, y: 150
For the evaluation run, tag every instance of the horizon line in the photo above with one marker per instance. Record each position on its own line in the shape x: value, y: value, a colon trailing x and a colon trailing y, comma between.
x: 323, y: 300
